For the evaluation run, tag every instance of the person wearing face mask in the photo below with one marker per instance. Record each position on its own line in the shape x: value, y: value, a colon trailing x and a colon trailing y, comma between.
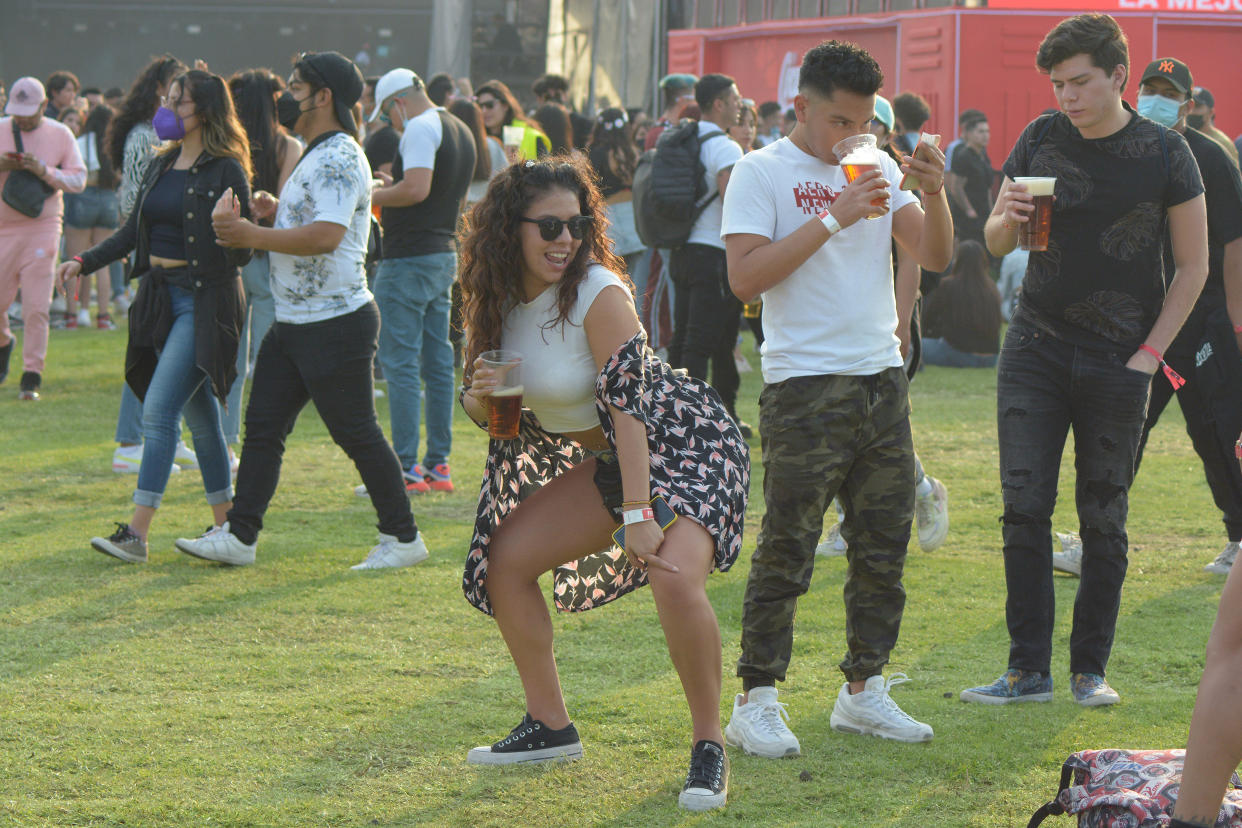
x: 1203, y: 118
x: 421, y: 202
x: 1212, y: 334
x: 28, y: 244
x: 321, y: 347
x: 188, y: 311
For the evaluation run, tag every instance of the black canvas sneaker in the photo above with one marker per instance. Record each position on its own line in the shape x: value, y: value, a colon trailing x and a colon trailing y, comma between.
x: 123, y: 544
x: 531, y: 741
x: 707, y: 783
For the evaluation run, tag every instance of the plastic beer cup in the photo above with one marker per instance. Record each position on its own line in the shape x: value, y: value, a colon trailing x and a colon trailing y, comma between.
x: 504, y: 404
x: 1033, y: 234
x: 859, y: 154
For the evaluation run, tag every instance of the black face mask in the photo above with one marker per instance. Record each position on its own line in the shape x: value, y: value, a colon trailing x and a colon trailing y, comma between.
x: 288, y: 110
x: 1196, y: 121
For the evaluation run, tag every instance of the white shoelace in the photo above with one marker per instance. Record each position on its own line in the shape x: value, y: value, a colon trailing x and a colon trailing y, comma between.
x: 769, y: 718
x: 887, y: 702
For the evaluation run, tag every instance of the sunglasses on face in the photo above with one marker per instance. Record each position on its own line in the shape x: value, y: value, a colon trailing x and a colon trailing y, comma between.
x: 487, y: 104
x: 550, y: 228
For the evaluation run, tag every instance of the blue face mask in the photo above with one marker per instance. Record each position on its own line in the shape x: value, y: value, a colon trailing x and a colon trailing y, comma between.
x: 1160, y: 109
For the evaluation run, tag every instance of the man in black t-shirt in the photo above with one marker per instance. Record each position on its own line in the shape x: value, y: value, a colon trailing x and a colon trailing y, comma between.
x: 1206, y: 351
x: 430, y: 174
x: 970, y: 180
x: 1092, y: 323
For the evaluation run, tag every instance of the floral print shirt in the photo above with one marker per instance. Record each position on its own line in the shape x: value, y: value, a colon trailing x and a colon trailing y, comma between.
x: 332, y: 183
x: 699, y: 464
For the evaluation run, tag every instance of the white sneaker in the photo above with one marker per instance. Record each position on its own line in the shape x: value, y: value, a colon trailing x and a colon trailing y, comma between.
x: 874, y: 712
x: 84, y: 318
x: 931, y: 512
x: 220, y: 545
x: 128, y: 459
x: 121, y: 302
x: 833, y: 545
x: 185, y: 457
x: 757, y: 727
x: 391, y: 553
x: 234, y: 462
x: 1069, y: 559
x: 1224, y: 561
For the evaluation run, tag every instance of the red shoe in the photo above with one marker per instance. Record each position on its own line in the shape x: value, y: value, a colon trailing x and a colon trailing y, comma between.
x: 415, y: 480
x: 439, y: 479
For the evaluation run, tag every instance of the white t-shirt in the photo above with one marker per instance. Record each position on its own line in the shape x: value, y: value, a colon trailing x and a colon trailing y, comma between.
x: 837, y: 313
x: 421, y: 139
x: 719, y: 153
x: 331, y: 183
x: 558, y: 368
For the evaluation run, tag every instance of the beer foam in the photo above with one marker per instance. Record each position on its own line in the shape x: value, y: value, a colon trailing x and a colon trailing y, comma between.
x: 1037, y: 186
x: 515, y: 391
x: 862, y: 156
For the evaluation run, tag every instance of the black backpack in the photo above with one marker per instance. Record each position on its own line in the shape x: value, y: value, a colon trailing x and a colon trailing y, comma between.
x: 668, y: 186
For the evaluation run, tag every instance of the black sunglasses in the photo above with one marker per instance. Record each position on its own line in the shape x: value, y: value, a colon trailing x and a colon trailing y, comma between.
x: 550, y: 228
x: 487, y: 104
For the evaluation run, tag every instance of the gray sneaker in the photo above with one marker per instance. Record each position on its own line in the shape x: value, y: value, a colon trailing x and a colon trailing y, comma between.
x: 1069, y: 559
x: 1224, y: 561
x: 123, y: 544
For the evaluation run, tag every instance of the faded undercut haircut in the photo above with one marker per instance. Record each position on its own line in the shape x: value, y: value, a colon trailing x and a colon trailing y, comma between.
x: 834, y: 65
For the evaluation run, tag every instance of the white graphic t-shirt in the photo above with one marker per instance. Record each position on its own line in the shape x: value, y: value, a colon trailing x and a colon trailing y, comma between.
x: 331, y: 183
x: 837, y: 313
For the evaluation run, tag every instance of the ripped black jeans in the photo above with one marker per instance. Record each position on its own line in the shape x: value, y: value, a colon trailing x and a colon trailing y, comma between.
x: 1045, y: 386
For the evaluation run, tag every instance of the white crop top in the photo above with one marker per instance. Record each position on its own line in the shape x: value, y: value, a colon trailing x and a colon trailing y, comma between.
x: 558, y: 369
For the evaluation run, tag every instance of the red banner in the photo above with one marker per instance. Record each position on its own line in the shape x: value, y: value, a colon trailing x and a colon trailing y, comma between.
x: 1199, y: 6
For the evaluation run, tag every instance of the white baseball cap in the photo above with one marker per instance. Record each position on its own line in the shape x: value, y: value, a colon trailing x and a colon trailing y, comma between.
x: 390, y: 84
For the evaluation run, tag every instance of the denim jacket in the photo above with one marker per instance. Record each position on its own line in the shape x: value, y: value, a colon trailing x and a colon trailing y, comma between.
x: 219, y: 303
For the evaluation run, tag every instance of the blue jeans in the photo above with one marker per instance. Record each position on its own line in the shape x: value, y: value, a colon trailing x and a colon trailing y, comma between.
x: 1046, y: 386
x: 940, y: 352
x: 413, y: 295
x: 260, y: 313
x: 179, y: 386
x: 129, y: 417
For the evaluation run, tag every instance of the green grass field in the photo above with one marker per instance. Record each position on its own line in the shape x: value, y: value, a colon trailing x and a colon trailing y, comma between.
x: 296, y: 692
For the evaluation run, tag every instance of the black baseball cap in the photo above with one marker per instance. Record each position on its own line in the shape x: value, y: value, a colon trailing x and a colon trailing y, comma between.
x: 1204, y: 96
x: 1172, y: 70
x: 339, y: 74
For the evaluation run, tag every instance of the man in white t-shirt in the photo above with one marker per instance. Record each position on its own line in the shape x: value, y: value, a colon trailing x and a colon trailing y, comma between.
x: 834, y: 413
x: 322, y: 345
x: 706, y: 314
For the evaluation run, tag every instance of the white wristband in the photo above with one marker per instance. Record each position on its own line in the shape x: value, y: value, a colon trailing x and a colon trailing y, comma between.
x: 638, y: 515
x: 830, y: 221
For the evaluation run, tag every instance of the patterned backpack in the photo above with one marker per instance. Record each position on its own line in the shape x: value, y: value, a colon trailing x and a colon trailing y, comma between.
x: 1128, y: 789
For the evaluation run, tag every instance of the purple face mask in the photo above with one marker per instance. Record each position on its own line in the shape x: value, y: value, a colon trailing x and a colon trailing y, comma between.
x: 168, y: 127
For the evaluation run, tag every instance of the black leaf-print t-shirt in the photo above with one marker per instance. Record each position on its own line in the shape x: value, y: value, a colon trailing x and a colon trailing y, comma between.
x: 1101, y: 281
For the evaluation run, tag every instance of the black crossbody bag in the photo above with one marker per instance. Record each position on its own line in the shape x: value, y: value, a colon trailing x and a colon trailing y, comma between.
x: 24, y: 191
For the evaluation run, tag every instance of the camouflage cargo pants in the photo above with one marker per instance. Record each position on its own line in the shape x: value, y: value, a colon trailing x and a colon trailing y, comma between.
x: 826, y: 436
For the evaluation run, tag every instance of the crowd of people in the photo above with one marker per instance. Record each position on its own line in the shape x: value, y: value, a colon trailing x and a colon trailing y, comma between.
x: 308, y: 235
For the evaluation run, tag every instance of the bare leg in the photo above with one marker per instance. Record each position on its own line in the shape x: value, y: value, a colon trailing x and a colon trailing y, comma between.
x: 140, y: 523
x: 220, y: 512
x: 1215, y: 745
x: 563, y: 521
x: 689, y: 623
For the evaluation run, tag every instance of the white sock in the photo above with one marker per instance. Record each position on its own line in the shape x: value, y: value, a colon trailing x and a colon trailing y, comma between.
x: 924, y: 487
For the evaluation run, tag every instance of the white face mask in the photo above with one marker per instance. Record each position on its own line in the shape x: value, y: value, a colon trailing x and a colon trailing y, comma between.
x: 1160, y: 109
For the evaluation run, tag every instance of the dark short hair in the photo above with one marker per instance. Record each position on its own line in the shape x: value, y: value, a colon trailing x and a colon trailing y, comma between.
x: 549, y: 83
x: 769, y: 108
x: 59, y: 80
x: 91, y: 90
x: 791, y: 114
x: 439, y: 87
x: 1095, y: 35
x: 834, y: 65
x: 970, y: 119
x: 912, y: 110
x: 709, y: 88
x: 114, y: 92
x: 370, y: 82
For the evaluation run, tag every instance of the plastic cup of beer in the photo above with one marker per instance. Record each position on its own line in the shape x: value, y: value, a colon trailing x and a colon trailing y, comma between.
x: 859, y: 154
x: 504, y: 404
x: 511, y: 137
x: 1033, y: 234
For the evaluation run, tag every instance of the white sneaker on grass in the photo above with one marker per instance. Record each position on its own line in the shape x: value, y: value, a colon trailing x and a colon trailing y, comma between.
x: 1224, y: 561
x: 931, y: 513
x: 185, y: 456
x: 833, y: 545
x: 220, y: 545
x: 758, y: 727
x: 1069, y: 559
x: 128, y: 459
x: 873, y: 712
x: 391, y: 553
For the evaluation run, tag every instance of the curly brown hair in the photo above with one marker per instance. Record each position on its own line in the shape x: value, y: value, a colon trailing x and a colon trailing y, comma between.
x: 491, y: 246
